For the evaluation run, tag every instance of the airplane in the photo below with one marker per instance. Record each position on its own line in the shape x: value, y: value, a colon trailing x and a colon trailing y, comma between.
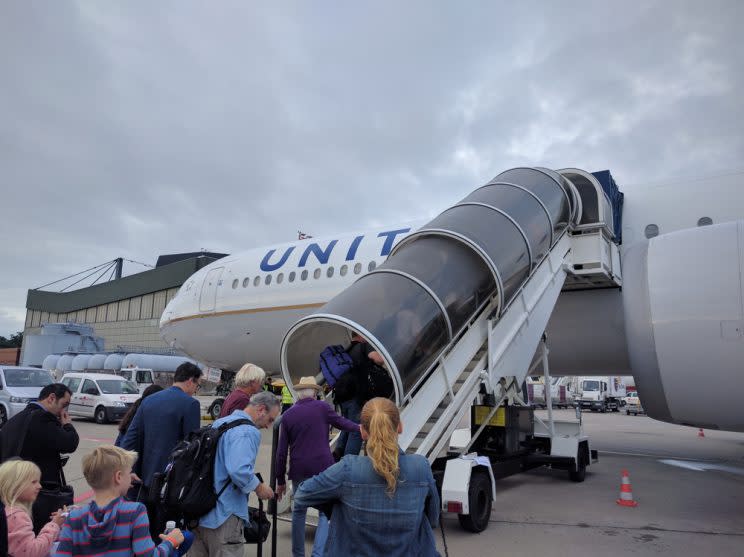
x: 671, y: 313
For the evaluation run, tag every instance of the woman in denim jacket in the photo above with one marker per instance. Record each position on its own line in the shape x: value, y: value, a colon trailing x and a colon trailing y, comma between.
x: 385, y: 503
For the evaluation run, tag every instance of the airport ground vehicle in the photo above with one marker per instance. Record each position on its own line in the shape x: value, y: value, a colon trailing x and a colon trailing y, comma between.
x: 18, y: 387
x: 561, y: 392
x: 600, y: 394
x: 633, y: 405
x: 459, y: 321
x: 142, y: 377
x: 100, y: 396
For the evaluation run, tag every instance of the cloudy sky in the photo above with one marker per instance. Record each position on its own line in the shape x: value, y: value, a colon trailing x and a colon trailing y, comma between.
x: 138, y: 128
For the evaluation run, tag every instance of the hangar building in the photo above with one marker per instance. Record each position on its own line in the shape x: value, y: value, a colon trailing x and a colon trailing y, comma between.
x: 124, y: 312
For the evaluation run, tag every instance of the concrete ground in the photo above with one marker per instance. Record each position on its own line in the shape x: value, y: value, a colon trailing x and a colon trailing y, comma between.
x: 689, y: 489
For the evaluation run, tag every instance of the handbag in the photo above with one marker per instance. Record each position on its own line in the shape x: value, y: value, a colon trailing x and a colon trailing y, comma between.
x: 52, y: 497
x: 258, y: 530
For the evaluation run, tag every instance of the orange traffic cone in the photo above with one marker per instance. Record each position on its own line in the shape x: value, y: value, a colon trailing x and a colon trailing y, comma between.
x: 701, y: 433
x: 626, y: 492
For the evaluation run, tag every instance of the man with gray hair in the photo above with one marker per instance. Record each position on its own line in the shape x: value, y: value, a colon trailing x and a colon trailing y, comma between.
x: 220, y: 531
x: 248, y: 382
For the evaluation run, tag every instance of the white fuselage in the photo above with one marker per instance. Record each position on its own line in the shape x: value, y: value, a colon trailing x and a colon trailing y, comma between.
x: 238, y: 309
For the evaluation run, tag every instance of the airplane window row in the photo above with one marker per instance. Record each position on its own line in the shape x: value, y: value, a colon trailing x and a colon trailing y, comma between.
x: 652, y: 230
x: 292, y: 276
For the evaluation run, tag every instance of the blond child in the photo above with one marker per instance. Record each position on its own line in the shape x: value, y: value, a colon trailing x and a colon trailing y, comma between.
x: 20, y: 483
x: 111, y: 524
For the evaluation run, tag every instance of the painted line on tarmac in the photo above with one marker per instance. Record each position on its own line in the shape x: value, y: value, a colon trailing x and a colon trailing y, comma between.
x: 97, y: 440
x: 84, y: 497
x: 648, y: 455
x: 615, y: 527
x: 700, y: 466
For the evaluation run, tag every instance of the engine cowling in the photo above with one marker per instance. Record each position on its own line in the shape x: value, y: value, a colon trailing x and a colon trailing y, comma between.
x: 684, y: 321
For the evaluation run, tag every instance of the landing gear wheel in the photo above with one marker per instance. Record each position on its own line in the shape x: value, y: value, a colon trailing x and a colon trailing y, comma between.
x: 101, y: 416
x: 480, y: 501
x: 216, y: 408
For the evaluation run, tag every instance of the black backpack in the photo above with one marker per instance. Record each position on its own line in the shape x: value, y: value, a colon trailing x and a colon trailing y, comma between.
x: 188, y: 484
x: 378, y: 383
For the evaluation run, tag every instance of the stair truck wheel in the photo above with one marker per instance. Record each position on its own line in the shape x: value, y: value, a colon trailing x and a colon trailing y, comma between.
x: 480, y: 502
x: 3, y: 416
x: 101, y: 416
x: 582, y: 458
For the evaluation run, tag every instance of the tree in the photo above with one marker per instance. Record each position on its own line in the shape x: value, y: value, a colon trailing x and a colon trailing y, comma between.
x: 15, y: 341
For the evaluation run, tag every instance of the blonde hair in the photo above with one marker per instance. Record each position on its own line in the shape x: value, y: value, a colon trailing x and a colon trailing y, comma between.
x: 15, y: 475
x: 249, y: 373
x: 100, y: 465
x: 380, y: 419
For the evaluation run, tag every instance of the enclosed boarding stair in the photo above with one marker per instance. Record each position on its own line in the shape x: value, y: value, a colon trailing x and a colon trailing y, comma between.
x: 462, y: 302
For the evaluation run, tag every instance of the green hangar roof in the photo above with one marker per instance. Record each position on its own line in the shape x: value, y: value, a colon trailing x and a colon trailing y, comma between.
x: 172, y: 275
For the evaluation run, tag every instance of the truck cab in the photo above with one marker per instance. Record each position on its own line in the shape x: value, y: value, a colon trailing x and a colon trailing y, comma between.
x: 142, y: 377
x: 594, y: 395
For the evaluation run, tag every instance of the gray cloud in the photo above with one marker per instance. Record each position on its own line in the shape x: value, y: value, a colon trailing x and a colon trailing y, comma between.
x: 145, y: 128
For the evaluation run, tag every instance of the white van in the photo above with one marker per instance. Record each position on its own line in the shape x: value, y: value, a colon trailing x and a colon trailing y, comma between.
x: 100, y: 396
x: 18, y: 387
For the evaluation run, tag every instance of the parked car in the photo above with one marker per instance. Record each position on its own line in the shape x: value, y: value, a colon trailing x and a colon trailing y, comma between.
x: 633, y: 405
x: 18, y: 387
x: 100, y: 396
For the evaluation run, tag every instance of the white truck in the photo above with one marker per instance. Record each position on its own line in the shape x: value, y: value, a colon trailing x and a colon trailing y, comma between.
x: 561, y: 392
x: 142, y: 377
x: 600, y: 394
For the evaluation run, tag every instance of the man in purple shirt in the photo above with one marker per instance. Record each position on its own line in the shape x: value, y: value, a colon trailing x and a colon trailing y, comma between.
x: 248, y: 382
x: 304, y: 430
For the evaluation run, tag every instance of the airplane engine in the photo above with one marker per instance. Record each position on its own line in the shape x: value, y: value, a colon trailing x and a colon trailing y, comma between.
x: 684, y: 322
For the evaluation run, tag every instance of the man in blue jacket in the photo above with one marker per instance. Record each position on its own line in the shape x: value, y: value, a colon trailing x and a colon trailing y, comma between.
x: 162, y: 420
x: 220, y: 531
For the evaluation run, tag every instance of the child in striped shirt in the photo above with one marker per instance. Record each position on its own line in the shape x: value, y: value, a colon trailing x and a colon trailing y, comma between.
x: 111, y: 525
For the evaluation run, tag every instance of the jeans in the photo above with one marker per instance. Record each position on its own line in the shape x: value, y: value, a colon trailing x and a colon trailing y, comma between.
x: 350, y: 443
x: 298, y: 531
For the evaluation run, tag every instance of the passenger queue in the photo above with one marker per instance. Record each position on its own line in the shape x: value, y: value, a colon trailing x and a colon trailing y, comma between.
x: 164, y: 471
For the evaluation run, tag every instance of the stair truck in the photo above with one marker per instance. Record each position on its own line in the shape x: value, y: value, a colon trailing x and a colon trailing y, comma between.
x: 458, y: 312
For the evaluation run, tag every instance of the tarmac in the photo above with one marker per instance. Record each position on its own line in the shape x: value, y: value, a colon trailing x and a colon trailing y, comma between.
x: 689, y: 490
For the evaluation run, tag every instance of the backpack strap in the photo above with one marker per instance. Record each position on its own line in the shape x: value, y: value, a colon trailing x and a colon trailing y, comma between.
x: 221, y: 430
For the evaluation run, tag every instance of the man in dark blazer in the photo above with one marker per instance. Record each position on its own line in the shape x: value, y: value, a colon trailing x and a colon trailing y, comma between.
x: 162, y: 420
x: 41, y: 432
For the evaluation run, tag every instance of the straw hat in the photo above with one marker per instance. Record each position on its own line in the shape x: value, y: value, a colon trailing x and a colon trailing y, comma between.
x: 307, y: 383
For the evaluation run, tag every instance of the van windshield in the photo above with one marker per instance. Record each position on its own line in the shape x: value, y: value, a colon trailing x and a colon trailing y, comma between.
x: 590, y: 386
x: 27, y: 378
x: 117, y: 387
